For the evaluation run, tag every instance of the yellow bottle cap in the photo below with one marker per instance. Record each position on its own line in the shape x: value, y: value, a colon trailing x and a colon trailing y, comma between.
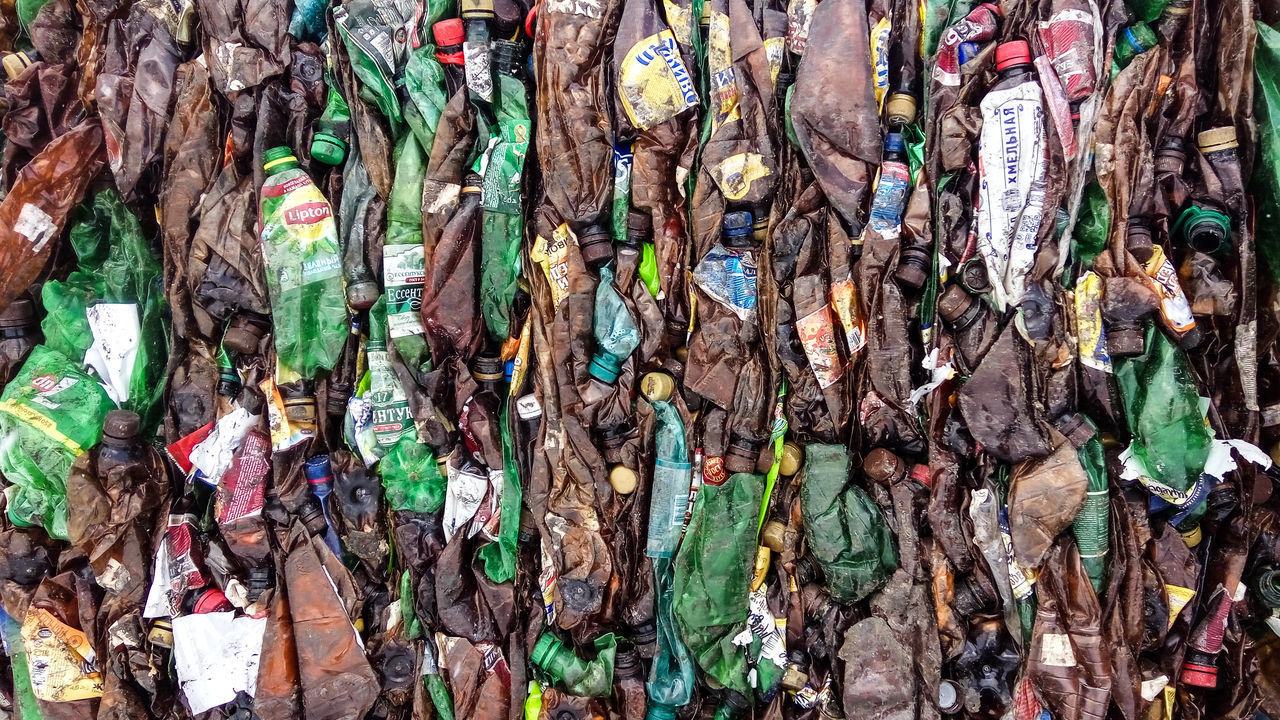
x: 1192, y: 537
x: 15, y: 63
x: 1219, y: 138
x: 901, y: 108
x: 657, y: 386
x: 792, y: 459
x: 623, y: 479
x: 774, y: 535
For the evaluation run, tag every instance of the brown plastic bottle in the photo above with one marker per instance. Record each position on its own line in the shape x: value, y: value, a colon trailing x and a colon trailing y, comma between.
x: 35, y: 209
x: 628, y: 685
x: 19, y: 334
x: 450, y: 300
x: 115, y: 495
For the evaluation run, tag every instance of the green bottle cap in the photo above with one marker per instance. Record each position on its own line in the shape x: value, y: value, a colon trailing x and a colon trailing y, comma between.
x: 1141, y: 37
x: 277, y: 156
x: 328, y: 149
x: 658, y: 711
x: 604, y: 368
x: 548, y: 645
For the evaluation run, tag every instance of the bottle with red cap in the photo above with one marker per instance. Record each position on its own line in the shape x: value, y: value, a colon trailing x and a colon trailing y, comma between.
x: 1014, y: 165
x: 449, y: 35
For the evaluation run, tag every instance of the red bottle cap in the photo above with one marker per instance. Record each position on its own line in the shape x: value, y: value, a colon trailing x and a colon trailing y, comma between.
x: 212, y: 600
x: 449, y: 32
x: 1014, y: 52
x: 1204, y: 676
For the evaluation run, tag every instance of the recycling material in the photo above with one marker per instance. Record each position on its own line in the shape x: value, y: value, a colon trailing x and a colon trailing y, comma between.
x: 640, y: 360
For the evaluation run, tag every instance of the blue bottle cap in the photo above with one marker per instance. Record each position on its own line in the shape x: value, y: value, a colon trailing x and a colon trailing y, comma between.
x: 893, y: 142
x: 318, y: 469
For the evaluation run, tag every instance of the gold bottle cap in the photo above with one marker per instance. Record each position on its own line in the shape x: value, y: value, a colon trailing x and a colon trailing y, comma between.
x: 161, y: 634
x: 657, y: 386
x: 901, y: 108
x: 792, y: 459
x: 1219, y: 138
x: 15, y: 63
x: 623, y: 479
x: 774, y: 535
x: 793, y: 680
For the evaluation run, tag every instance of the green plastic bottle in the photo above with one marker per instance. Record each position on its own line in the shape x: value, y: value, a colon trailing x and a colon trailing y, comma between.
x: 329, y: 145
x: 304, y: 269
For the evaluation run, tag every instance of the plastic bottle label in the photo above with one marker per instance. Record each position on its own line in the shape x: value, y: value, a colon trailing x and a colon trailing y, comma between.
x: 844, y: 296
x: 667, y: 507
x: 654, y: 83
x: 817, y: 335
x: 404, y: 272
x: 1013, y: 169
x: 880, y: 59
x: 729, y: 277
x: 392, y: 418
x: 890, y: 198
x: 1174, y: 306
x: 1091, y: 333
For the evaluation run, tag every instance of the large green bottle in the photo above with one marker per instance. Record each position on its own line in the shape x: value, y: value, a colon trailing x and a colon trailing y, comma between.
x: 304, y: 269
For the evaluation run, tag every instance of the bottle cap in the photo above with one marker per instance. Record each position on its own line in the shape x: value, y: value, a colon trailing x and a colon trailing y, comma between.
x: 644, y: 633
x: 741, y: 455
x: 362, y: 294
x: 212, y: 600
x: 121, y: 427
x: 1192, y: 536
x: 884, y: 466
x: 792, y: 459
x: 604, y: 367
x: 487, y: 368
x: 950, y: 697
x: 1125, y: 341
x: 893, y: 142
x: 794, y: 679
x: 161, y: 633
x: 277, y: 156
x: 1268, y: 586
x: 921, y: 473
x: 657, y: 386
x: 1077, y: 429
x: 1138, y: 239
x: 1192, y: 339
x: 15, y: 64
x: 737, y: 228
x: 913, y: 267
x: 472, y: 182
x: 476, y: 9
x: 328, y: 149
x: 1012, y: 53
x: 901, y: 108
x: 1140, y: 37
x: 448, y: 32
x: 774, y: 536
x: 973, y: 276
x: 965, y: 52
x: 243, y: 334
x: 548, y: 645
x: 626, y: 658
x: 623, y: 479
x: 1219, y: 138
x: 596, y: 246
x: 1200, y: 669
x: 658, y: 711
x: 318, y: 469
x: 639, y: 227
x: 958, y: 308
x: 20, y: 313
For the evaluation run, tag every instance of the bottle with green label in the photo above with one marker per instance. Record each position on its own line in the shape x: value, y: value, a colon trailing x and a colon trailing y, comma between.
x: 304, y: 269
